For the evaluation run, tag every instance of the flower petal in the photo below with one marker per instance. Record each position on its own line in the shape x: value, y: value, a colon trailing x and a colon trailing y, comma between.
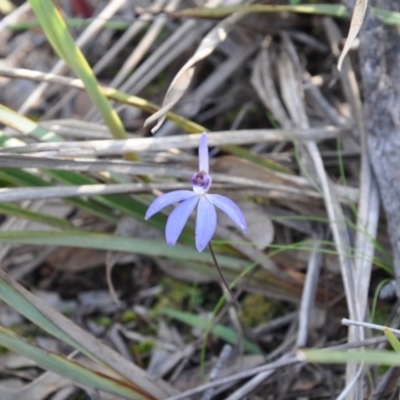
x: 177, y: 219
x: 203, y: 153
x: 206, y: 223
x: 167, y: 199
x: 229, y: 208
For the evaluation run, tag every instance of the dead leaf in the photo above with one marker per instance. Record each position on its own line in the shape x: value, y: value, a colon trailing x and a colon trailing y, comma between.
x: 184, y: 77
x: 260, y: 229
x: 39, y: 389
x: 76, y: 260
x: 54, y: 208
x: 182, y: 272
x: 355, y: 25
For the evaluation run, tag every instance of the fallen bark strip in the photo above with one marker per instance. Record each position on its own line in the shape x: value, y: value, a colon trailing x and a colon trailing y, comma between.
x: 379, y: 62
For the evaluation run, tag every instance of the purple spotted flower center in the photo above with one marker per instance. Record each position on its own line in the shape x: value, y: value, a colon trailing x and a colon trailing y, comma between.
x: 201, y: 182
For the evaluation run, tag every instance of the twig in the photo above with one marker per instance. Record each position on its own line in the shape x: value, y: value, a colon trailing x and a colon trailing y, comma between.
x: 349, y: 322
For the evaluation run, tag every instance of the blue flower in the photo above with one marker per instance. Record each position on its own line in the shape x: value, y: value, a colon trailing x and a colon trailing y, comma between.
x: 206, y: 222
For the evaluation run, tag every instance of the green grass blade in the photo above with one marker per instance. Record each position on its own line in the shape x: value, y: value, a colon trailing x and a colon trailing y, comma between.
x: 218, y: 330
x: 59, y: 37
x: 15, y: 211
x: 6, y: 141
x: 92, y: 240
x: 24, y: 125
x: 69, y: 369
x: 333, y: 10
x: 71, y: 23
x: 391, y: 337
x: 374, y: 357
x: 185, y: 255
x: 20, y: 177
x: 387, y: 17
x: 126, y: 205
x: 184, y: 123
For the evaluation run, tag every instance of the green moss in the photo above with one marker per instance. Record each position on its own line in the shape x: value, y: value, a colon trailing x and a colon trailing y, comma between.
x: 178, y: 295
x: 257, y: 310
x: 128, y: 316
x: 103, y: 321
x: 145, y: 346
